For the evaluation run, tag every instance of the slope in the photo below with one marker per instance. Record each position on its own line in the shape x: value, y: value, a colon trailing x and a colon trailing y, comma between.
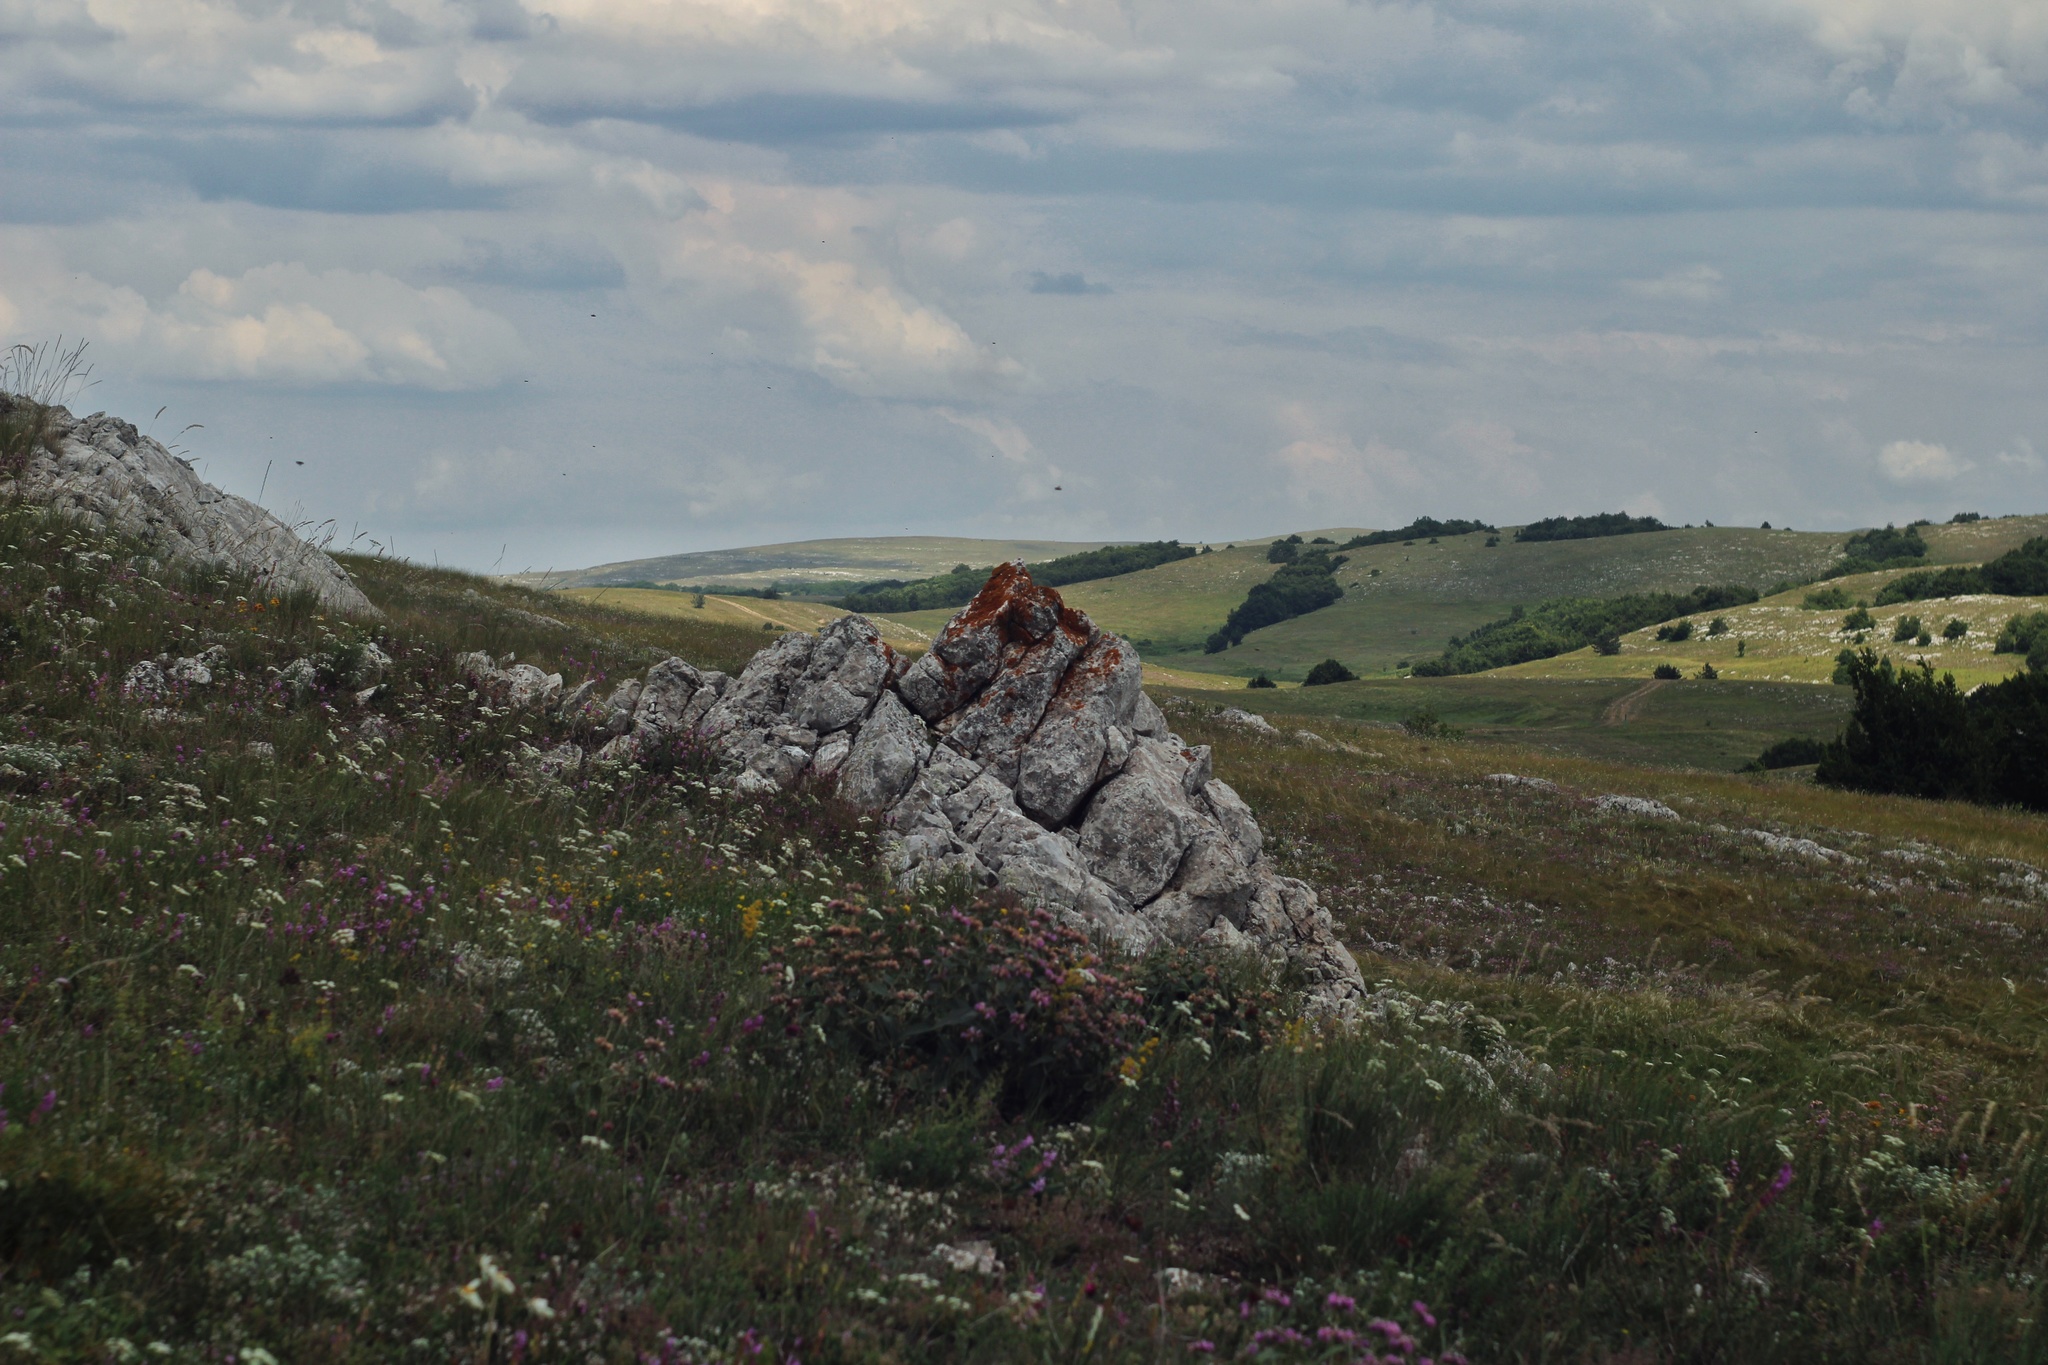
x: 821, y: 566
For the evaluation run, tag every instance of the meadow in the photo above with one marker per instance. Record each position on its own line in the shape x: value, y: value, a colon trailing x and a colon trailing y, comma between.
x: 335, y: 1029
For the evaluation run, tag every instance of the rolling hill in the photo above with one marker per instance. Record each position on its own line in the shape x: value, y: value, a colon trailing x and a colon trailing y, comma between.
x: 819, y: 567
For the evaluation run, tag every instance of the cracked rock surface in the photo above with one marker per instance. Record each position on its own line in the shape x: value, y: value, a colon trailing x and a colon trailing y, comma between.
x: 1020, y: 751
x: 111, y: 476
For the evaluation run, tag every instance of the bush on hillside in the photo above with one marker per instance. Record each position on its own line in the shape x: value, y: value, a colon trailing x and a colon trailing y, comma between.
x: 1708, y: 671
x: 1588, y: 528
x: 1905, y: 628
x: 1284, y: 551
x: 1964, y: 518
x: 1796, y: 752
x: 1298, y: 588
x: 2020, y: 632
x: 1608, y: 644
x: 1827, y: 599
x: 1956, y: 628
x: 948, y: 1000
x: 1886, y: 548
x: 1327, y: 672
x: 1260, y: 680
x: 1415, y: 530
x: 1913, y: 734
x: 1564, y: 624
x: 1859, y: 619
x: 1675, y: 633
x: 1666, y: 673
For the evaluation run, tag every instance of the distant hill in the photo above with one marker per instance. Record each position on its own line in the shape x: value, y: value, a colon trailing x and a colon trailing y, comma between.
x: 1400, y: 603
x: 818, y: 566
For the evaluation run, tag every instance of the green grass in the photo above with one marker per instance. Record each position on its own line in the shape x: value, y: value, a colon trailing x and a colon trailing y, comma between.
x: 1718, y: 725
x: 292, y: 1040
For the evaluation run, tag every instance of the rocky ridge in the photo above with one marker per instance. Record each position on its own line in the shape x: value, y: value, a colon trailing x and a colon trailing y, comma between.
x: 114, y: 478
x: 1021, y: 751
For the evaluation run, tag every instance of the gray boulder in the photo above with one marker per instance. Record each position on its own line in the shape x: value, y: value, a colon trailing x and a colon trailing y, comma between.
x: 115, y: 479
x: 1021, y: 751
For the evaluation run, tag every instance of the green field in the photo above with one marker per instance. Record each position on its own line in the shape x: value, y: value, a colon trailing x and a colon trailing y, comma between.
x: 1689, y: 724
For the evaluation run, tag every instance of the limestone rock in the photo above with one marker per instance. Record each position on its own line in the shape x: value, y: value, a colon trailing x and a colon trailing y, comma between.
x: 114, y: 478
x: 1020, y: 751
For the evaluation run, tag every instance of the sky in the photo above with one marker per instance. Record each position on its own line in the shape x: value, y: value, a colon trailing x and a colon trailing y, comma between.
x: 518, y: 284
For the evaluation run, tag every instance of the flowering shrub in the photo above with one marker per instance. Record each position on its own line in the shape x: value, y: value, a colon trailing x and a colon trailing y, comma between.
x: 959, y: 997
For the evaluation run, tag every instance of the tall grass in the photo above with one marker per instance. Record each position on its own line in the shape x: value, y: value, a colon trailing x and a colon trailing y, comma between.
x: 34, y: 382
x: 376, y: 1044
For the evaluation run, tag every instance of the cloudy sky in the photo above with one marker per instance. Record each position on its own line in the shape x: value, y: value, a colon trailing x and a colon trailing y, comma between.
x: 549, y: 282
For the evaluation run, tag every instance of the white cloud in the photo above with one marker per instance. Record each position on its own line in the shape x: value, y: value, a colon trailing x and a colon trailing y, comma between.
x: 1920, y: 462
x: 282, y: 324
x: 1329, y: 471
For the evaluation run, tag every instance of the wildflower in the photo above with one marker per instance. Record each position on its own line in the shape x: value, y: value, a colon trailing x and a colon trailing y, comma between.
x: 498, y: 1280
x: 342, y: 938
x: 1343, y: 1303
x: 256, y: 1355
x: 1779, y: 1185
x: 495, y: 1083
x: 1422, y: 1311
x: 540, y: 1308
x: 21, y: 1341
x: 187, y: 969
x: 1202, y: 1347
x: 1238, y: 1209
x: 593, y: 1140
x: 1877, y: 1227
x: 467, y: 1293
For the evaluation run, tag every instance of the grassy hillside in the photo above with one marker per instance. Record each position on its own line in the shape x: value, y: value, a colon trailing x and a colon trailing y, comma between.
x: 1717, y: 726
x: 1784, y: 641
x: 335, y: 1030
x: 745, y: 613
x: 824, y: 566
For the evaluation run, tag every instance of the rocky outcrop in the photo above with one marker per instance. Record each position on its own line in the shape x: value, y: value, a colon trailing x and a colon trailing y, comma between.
x: 108, y: 474
x: 1020, y: 751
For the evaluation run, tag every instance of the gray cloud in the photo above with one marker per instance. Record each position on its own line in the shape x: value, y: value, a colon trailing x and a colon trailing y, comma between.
x: 1777, y: 259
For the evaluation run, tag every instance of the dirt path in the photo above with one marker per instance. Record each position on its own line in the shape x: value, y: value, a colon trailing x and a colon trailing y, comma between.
x: 1624, y: 709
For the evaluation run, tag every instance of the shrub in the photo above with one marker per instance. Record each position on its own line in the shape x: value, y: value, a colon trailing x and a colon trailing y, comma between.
x: 958, y: 587
x: 2016, y: 573
x: 1666, y: 672
x: 1609, y: 644
x: 1859, y: 619
x: 1964, y: 518
x: 1909, y: 733
x: 1421, y: 526
x: 1284, y: 551
x: 1298, y: 588
x: 1827, y: 599
x: 1923, y: 639
x: 1708, y: 672
x: 1905, y: 628
x: 1676, y: 632
x: 955, y: 999
x: 1717, y: 626
x: 1492, y: 542
x: 1587, y: 528
x: 1327, y: 672
x: 1796, y: 752
x: 1261, y: 680
x: 1425, y: 723
x: 2019, y: 633
x: 1956, y: 628
x: 1914, y: 734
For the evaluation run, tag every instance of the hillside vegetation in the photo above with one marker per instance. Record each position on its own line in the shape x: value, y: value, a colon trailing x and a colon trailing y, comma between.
x: 958, y: 586
x: 337, y: 1030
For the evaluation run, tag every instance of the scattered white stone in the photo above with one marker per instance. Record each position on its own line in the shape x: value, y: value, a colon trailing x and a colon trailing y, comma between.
x: 1245, y: 720
x: 1800, y: 848
x: 1542, y: 784
x: 1635, y: 805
